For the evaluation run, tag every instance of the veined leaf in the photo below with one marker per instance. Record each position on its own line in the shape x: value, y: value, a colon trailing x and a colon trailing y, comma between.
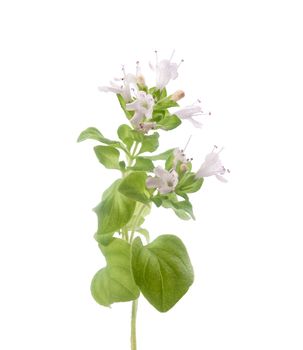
x: 125, y: 135
x: 94, y: 134
x: 133, y: 186
x: 161, y: 156
x: 189, y: 183
x: 114, y: 211
x: 115, y: 283
x: 143, y: 164
x: 169, y: 122
x: 108, y: 156
x: 162, y: 270
x: 122, y: 102
x: 150, y: 143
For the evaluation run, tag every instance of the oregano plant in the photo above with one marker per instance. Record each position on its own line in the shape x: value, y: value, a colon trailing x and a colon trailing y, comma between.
x: 159, y: 269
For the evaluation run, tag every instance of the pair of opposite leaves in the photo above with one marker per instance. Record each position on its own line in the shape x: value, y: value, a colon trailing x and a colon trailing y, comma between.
x: 161, y: 270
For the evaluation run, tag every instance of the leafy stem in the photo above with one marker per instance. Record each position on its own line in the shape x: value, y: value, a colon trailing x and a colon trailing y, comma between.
x: 136, y: 222
x: 133, y: 338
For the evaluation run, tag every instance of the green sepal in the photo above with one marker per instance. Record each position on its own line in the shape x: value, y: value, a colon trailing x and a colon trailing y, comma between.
x: 162, y: 270
x: 115, y: 283
x: 133, y: 186
x: 114, y: 211
x: 108, y: 156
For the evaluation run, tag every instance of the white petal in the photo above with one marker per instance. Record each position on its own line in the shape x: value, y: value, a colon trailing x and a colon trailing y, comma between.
x: 109, y: 89
x: 195, y: 123
x: 133, y: 105
x: 221, y: 178
x: 152, y: 182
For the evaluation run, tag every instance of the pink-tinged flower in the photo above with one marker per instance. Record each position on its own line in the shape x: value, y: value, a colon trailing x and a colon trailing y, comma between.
x: 213, y: 166
x: 165, y: 70
x: 143, y: 107
x: 189, y: 112
x: 147, y: 126
x: 164, y: 181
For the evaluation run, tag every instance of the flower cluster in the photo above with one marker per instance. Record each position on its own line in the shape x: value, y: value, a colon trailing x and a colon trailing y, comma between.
x: 145, y: 107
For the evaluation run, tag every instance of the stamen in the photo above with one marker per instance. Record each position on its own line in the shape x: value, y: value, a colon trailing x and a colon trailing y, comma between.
x: 123, y: 70
x: 138, y: 69
x: 180, y: 62
x: 187, y: 142
x: 172, y: 55
x: 156, y: 52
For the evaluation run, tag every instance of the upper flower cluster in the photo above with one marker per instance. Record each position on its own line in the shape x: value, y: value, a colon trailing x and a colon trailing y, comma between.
x: 148, y: 109
x: 144, y: 103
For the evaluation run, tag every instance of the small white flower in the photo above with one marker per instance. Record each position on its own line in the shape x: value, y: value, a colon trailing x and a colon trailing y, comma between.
x: 125, y: 87
x: 143, y: 107
x: 165, y: 71
x: 212, y: 166
x: 165, y: 181
x: 189, y: 112
x: 179, y: 156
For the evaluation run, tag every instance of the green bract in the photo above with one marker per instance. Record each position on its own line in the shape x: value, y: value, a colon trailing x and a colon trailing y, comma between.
x: 161, y: 269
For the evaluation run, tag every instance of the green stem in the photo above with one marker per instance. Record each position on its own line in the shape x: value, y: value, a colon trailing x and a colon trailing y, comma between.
x: 136, y: 223
x: 133, y: 338
x: 135, y: 149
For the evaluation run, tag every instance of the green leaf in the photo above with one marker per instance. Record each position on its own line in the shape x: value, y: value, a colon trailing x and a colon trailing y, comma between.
x: 181, y: 213
x: 114, y: 211
x: 95, y: 134
x: 161, y: 156
x: 133, y: 186
x: 189, y: 184
x: 115, y: 283
x: 137, y: 136
x: 169, y: 161
x: 150, y: 143
x: 104, y: 239
x: 108, y: 156
x: 169, y: 122
x: 125, y: 134
x: 123, y: 106
x: 165, y: 103
x: 143, y: 164
x: 162, y: 270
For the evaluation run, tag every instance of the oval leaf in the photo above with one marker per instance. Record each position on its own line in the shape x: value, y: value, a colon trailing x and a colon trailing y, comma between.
x: 162, y: 270
x: 115, y: 282
x: 108, y: 156
x: 114, y: 211
x: 94, y: 134
x: 133, y: 186
x: 150, y: 143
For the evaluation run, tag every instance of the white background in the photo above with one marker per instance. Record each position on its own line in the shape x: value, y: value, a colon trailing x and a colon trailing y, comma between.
x: 243, y: 59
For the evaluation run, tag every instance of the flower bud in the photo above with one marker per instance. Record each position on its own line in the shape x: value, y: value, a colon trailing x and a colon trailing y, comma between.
x: 183, y: 167
x: 141, y: 80
x: 176, y: 96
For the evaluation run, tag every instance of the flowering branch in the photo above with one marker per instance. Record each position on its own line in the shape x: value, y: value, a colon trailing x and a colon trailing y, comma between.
x: 161, y: 269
